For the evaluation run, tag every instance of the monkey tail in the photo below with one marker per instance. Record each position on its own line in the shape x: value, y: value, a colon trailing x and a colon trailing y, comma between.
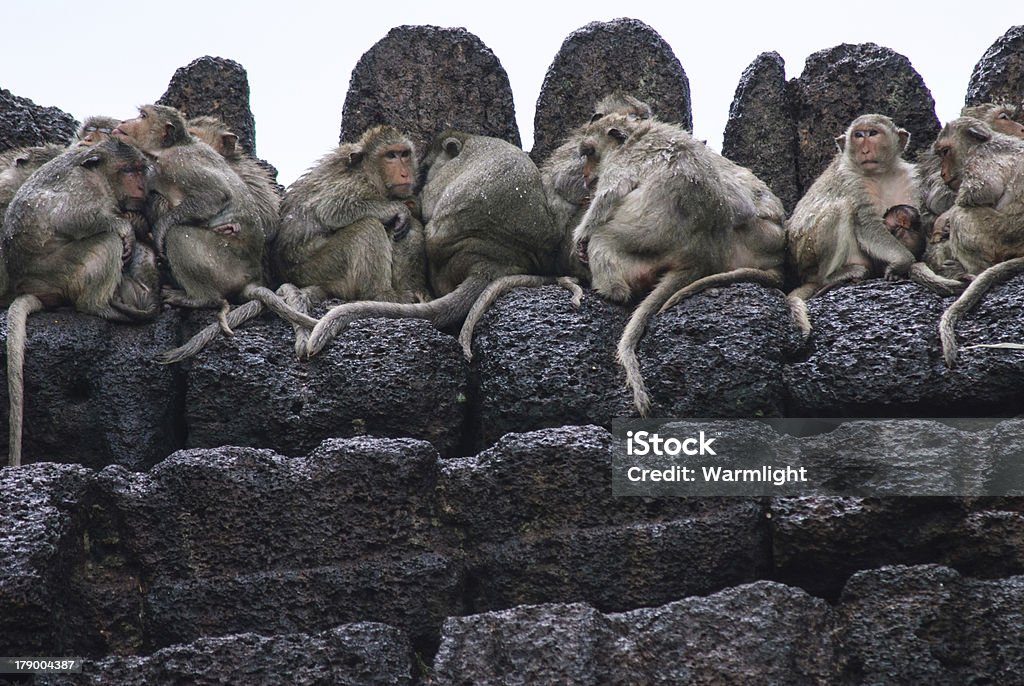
x: 277, y: 305
x: 444, y: 311
x: 995, y: 274
x: 922, y: 274
x: 670, y: 283
x: 768, y: 279
x: 17, y: 316
x: 503, y: 285
x: 236, y: 317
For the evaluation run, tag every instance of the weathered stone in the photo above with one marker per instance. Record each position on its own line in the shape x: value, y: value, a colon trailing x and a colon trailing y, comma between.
x: 759, y: 633
x: 875, y: 353
x: 354, y: 654
x: 538, y: 362
x: 93, y: 394
x: 425, y: 79
x: 999, y: 75
x: 623, y: 54
x: 839, y: 84
x: 22, y: 122
x: 380, y: 377
x: 217, y: 87
x: 760, y: 133
x: 540, y: 524
x: 929, y: 625
x: 36, y: 523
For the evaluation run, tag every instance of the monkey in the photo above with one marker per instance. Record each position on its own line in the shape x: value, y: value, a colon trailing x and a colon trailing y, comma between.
x: 350, y: 227
x: 96, y: 129
x: 837, y: 233
x: 669, y: 217
x: 486, y: 219
x: 985, y: 169
x: 904, y: 223
x: 564, y: 184
x: 63, y: 245
x: 215, y: 133
x: 206, y: 224
x: 937, y: 196
x: 18, y: 164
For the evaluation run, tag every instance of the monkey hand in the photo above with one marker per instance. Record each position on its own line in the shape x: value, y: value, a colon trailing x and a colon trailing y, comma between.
x: 895, y: 271
x: 230, y: 229
x: 398, y: 226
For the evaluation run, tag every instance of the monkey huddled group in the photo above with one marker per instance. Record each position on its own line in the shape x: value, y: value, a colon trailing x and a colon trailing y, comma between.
x: 160, y: 209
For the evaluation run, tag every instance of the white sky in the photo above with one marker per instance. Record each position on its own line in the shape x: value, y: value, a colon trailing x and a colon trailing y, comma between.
x: 102, y: 57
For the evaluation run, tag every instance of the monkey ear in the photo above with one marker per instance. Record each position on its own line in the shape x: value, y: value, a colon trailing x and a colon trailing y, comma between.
x: 596, y: 116
x: 169, y: 130
x: 841, y: 143
x: 229, y: 141
x: 618, y: 134
x: 904, y: 137
x: 92, y: 161
x: 21, y: 160
x: 978, y: 133
x: 452, y: 146
x: 355, y: 158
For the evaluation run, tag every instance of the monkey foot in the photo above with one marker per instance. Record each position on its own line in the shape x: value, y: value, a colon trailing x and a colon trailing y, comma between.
x: 232, y: 229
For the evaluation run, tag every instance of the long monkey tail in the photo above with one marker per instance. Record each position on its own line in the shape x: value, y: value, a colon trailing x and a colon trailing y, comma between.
x: 995, y: 274
x: 498, y: 288
x: 442, y: 312
x: 17, y: 316
x: 674, y: 287
x: 235, y: 318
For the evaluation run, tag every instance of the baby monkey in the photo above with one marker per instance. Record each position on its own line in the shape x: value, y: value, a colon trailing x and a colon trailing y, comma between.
x: 904, y: 223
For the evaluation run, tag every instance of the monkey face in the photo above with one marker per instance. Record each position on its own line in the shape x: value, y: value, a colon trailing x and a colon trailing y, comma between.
x: 399, y: 170
x: 1002, y: 121
x: 869, y: 147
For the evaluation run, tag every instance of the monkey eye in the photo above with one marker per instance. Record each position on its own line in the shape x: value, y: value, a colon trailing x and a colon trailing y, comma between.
x: 941, y: 152
x: 587, y: 151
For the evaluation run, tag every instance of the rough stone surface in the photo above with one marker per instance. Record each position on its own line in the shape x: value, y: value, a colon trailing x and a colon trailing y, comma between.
x: 544, y: 526
x: 351, y: 655
x: 380, y: 377
x: 425, y: 79
x: 37, y: 524
x: 929, y: 625
x: 760, y: 633
x: 93, y: 395
x: 905, y: 625
x: 875, y: 353
x: 717, y: 354
x: 601, y: 57
x: 22, y: 122
x: 217, y: 87
x: 839, y: 84
x: 760, y: 133
x: 999, y: 75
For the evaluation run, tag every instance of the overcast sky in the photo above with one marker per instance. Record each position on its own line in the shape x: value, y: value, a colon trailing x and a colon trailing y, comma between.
x: 107, y: 58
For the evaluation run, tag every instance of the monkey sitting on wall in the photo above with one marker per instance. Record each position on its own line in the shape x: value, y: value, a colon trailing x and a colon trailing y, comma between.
x: 671, y: 215
x: 986, y: 224
x: 64, y: 243
x: 206, y: 225
x: 487, y: 222
x: 837, y: 233
x: 350, y: 230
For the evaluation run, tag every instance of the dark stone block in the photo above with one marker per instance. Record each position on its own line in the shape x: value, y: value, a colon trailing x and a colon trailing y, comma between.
x: 623, y: 54
x: 760, y: 133
x: 425, y: 79
x: 217, y: 87
x: 999, y: 74
x: 380, y: 377
x: 22, y: 122
x: 93, y: 394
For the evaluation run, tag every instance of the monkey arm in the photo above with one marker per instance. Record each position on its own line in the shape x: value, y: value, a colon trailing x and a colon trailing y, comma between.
x: 337, y: 213
x: 603, y: 206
